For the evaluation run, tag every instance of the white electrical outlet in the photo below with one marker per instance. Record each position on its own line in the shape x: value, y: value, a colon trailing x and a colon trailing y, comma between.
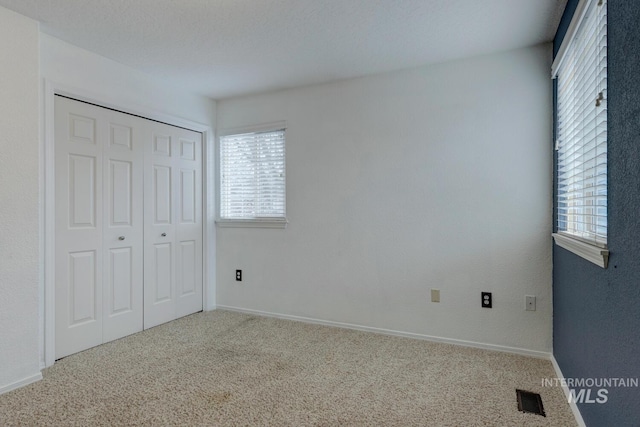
x: 435, y: 295
x: 530, y: 303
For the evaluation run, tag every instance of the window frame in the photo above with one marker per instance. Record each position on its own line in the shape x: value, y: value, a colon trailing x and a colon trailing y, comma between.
x: 248, y: 222
x: 593, y: 251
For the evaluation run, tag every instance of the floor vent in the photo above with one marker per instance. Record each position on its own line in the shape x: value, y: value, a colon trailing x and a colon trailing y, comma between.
x: 530, y: 402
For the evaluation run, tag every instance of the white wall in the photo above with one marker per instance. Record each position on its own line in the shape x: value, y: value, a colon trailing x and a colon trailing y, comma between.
x: 19, y: 144
x: 435, y: 177
x: 113, y: 82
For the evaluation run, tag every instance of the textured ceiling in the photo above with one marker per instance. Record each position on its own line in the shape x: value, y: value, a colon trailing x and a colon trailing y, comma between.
x: 223, y: 48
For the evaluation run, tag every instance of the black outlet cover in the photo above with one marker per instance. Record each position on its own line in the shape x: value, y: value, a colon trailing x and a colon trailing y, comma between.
x: 487, y: 300
x: 238, y: 275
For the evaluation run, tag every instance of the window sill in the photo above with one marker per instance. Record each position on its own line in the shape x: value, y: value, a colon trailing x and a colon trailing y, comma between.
x: 595, y: 254
x: 252, y: 223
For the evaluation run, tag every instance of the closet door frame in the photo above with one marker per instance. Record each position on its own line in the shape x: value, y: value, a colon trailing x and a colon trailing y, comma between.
x: 47, y: 200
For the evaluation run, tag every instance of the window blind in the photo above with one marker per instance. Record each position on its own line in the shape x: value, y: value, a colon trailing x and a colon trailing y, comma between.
x: 582, y: 129
x: 252, y: 178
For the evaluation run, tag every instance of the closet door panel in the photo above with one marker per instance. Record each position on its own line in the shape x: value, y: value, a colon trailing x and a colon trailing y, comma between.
x: 99, y: 225
x: 159, y: 260
x: 78, y: 226
x: 188, y: 163
x: 123, y: 228
x: 173, y: 225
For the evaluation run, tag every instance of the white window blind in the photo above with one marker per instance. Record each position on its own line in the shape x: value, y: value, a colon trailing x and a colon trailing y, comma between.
x: 582, y: 129
x: 252, y: 176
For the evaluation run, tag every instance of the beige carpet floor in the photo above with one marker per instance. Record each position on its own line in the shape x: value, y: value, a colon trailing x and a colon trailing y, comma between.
x: 230, y: 369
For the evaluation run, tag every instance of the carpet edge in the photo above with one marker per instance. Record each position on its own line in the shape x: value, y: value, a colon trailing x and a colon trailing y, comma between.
x: 493, y: 347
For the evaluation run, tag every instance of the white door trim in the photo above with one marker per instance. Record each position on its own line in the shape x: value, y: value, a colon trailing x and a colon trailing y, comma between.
x: 47, y: 198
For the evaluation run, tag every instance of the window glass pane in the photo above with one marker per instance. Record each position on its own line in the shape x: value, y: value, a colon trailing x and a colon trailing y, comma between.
x: 252, y: 176
x: 582, y: 129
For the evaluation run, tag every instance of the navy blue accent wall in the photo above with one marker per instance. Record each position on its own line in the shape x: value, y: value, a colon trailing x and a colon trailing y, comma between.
x: 596, y: 322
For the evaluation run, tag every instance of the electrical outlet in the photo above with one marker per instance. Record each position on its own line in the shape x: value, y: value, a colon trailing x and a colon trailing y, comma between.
x: 530, y: 302
x: 487, y: 300
x: 435, y: 295
x: 238, y: 275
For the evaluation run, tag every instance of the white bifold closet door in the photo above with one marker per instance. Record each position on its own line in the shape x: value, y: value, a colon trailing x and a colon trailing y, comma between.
x: 173, y: 224
x: 112, y: 270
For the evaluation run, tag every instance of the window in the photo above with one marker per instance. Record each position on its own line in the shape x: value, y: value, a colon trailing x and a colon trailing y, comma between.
x: 581, y: 133
x: 252, y: 179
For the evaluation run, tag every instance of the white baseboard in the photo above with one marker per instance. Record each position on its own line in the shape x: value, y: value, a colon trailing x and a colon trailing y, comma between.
x: 504, y: 349
x: 565, y: 389
x: 21, y: 383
